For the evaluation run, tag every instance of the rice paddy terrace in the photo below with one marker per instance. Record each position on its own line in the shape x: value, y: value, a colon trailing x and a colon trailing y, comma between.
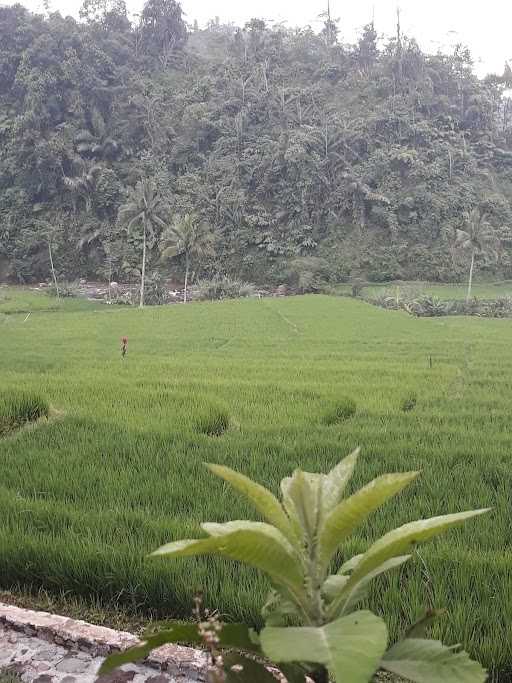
x: 116, y: 468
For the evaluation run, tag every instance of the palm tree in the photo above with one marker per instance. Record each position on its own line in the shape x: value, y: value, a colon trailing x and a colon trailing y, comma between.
x: 189, y: 236
x: 83, y: 186
x: 96, y: 144
x: 50, y: 233
x: 146, y: 211
x: 479, y: 239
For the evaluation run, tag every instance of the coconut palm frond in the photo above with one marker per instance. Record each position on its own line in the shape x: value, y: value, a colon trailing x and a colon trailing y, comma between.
x: 89, y: 237
x: 171, y: 252
x: 186, y: 235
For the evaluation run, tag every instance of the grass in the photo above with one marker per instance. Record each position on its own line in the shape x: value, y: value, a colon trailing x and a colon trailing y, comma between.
x: 85, y: 498
x: 22, y: 300
x: 343, y: 410
x: 481, y: 290
x: 18, y: 409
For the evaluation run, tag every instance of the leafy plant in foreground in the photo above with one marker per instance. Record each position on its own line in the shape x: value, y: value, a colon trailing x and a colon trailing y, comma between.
x: 312, y: 614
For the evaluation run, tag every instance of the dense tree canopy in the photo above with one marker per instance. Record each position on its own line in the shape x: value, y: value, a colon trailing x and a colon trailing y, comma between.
x: 290, y: 145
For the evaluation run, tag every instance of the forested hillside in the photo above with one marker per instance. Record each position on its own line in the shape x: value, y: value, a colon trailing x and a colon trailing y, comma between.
x: 299, y: 151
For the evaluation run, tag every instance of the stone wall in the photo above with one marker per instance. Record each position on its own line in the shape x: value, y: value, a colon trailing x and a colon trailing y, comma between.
x: 47, y: 648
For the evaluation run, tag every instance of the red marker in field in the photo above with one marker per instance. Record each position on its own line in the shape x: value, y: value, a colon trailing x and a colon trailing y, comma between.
x: 124, y: 347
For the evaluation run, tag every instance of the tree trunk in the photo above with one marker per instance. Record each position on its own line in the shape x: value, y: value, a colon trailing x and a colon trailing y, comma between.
x: 109, y: 276
x: 143, y: 272
x: 470, y: 282
x: 187, y: 268
x: 53, y: 270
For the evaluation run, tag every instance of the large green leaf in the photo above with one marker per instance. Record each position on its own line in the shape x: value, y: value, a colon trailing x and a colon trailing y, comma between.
x: 308, y: 497
x: 256, y: 543
x: 301, y: 502
x: 241, y: 669
x: 231, y: 636
x: 182, y: 633
x: 350, y: 564
x: 239, y: 636
x: 350, y: 647
x: 294, y: 673
x: 429, y: 661
x: 262, y: 499
x: 398, y: 542
x: 278, y: 610
x: 420, y: 627
x: 337, y: 479
x: 353, y: 511
x: 335, y: 585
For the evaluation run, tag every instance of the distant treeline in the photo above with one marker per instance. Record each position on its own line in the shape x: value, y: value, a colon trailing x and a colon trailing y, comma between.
x: 301, y: 152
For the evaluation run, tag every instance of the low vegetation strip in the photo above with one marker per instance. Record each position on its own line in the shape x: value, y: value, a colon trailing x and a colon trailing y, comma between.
x: 18, y: 409
x: 83, y: 500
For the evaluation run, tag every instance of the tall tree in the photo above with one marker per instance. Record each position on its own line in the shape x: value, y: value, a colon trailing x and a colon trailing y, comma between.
x: 48, y: 235
x: 162, y: 29
x: 143, y: 214
x: 190, y: 237
x: 478, y: 239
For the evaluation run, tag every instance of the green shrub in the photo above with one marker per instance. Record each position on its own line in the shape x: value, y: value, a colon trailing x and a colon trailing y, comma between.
x: 213, y: 423
x: 20, y: 408
x: 386, y: 300
x: 155, y: 292
x: 67, y: 290
x: 499, y: 308
x: 223, y: 288
x: 308, y: 274
x: 343, y: 410
x: 247, y: 289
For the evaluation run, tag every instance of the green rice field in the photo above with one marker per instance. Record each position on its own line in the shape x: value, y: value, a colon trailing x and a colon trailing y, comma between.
x: 118, y: 470
x: 480, y: 290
